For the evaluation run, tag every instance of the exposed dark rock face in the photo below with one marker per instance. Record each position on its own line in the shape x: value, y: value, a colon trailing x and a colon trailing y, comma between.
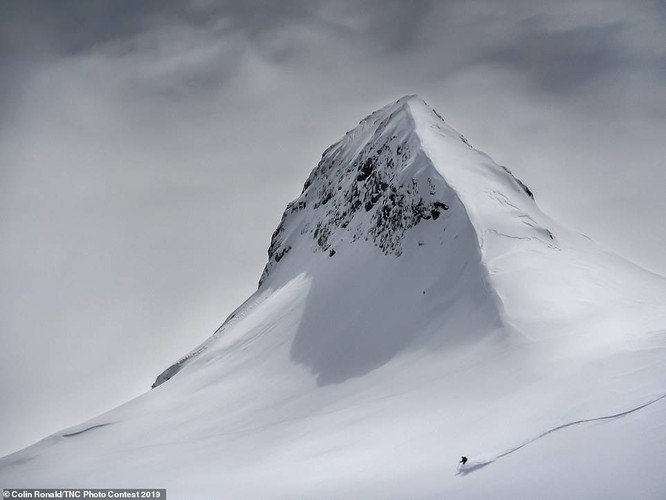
x: 363, y: 196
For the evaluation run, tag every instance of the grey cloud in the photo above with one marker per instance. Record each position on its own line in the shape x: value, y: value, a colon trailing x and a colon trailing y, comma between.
x: 395, y: 24
x: 559, y: 61
x: 72, y: 26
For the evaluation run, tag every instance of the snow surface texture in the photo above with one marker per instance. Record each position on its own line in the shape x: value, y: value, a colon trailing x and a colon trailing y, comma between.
x: 416, y: 306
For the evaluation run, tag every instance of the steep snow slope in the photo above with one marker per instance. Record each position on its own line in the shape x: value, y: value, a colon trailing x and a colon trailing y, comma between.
x: 416, y: 306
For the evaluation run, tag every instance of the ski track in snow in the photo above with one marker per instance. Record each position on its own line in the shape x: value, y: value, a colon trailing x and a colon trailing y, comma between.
x: 71, y: 434
x: 479, y: 463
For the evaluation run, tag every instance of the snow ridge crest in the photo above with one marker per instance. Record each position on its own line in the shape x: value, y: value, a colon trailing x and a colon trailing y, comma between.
x: 374, y: 184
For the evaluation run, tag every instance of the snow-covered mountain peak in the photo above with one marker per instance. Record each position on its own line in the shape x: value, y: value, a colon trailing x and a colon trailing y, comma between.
x: 401, y: 167
x: 417, y: 306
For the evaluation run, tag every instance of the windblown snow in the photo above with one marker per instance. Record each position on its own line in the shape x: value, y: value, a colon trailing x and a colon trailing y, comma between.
x: 416, y: 306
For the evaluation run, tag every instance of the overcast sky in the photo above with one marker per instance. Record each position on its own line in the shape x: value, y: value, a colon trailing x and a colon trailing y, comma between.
x: 148, y: 148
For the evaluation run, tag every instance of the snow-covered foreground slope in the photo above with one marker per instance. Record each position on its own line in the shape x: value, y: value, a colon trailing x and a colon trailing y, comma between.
x: 417, y: 306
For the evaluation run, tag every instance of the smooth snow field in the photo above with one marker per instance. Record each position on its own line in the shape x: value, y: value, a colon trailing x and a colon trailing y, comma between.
x: 416, y: 306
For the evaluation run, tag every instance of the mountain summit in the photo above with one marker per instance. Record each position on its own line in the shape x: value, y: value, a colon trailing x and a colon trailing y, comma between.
x: 416, y: 306
x: 392, y: 225
x: 401, y: 166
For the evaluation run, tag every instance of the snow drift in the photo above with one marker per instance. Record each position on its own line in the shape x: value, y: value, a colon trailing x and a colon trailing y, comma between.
x: 416, y: 306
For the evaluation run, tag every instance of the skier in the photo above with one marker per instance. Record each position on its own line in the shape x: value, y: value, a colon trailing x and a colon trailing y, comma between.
x: 463, y: 460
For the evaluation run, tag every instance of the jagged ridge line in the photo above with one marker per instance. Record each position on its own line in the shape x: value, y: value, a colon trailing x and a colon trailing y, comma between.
x: 497, y: 299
